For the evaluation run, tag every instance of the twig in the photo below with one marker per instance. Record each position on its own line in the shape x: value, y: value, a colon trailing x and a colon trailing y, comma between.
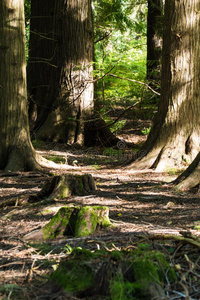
x: 115, y: 121
x: 136, y: 81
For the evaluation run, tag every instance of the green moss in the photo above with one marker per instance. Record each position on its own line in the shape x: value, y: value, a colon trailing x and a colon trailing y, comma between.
x: 58, y: 223
x: 116, y: 255
x: 81, y: 254
x: 145, y: 270
x: 131, y: 275
x: 56, y: 158
x: 121, y: 290
x: 74, y: 277
x: 88, y: 219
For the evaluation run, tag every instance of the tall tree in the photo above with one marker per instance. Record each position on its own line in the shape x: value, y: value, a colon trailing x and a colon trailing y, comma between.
x: 154, y: 41
x: 16, y: 151
x: 60, y: 69
x: 175, y: 136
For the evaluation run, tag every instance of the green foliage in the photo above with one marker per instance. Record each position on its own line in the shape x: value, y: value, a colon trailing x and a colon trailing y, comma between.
x: 123, y: 52
x: 146, y: 130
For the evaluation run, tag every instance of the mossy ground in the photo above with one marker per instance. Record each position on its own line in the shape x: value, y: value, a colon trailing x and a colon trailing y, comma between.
x: 129, y: 274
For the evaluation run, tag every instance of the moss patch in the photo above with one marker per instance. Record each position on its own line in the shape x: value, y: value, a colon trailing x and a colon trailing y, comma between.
x: 118, y: 275
x: 58, y: 223
x: 89, y: 218
x: 73, y: 277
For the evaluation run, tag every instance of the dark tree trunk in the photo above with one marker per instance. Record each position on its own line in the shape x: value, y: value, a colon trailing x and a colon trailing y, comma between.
x: 16, y: 151
x: 61, y: 64
x: 154, y: 42
x: 44, y: 66
x: 174, y: 140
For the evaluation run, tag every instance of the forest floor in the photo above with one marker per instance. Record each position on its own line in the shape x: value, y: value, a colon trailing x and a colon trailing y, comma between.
x: 143, y: 207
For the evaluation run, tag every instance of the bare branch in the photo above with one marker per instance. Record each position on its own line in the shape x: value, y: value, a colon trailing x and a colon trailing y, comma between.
x: 133, y: 80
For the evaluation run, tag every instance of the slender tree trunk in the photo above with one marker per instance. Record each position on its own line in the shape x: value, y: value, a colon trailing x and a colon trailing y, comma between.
x: 61, y: 96
x: 16, y: 151
x: 154, y: 42
x: 174, y: 140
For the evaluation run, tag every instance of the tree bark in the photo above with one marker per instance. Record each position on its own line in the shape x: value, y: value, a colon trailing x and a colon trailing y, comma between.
x: 174, y: 140
x: 16, y: 151
x: 154, y: 42
x: 60, y: 69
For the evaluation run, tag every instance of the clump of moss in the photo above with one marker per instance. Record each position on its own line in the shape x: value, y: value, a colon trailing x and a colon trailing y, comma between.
x: 58, y: 223
x: 89, y: 218
x: 119, y: 275
x: 74, y: 277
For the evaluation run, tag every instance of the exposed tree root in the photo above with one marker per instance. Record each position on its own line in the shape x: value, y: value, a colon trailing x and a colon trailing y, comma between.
x: 190, y: 178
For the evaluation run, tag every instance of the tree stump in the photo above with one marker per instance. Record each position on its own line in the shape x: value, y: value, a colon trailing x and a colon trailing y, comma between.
x: 114, y: 274
x: 63, y: 186
x: 73, y: 221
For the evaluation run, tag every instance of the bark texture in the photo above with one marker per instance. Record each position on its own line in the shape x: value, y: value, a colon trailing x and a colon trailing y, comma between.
x: 174, y: 140
x: 154, y: 42
x: 60, y: 69
x: 16, y: 151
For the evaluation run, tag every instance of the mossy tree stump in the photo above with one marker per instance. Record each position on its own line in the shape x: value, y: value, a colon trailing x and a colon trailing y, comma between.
x: 76, y: 221
x: 117, y: 275
x: 73, y: 221
x: 62, y: 186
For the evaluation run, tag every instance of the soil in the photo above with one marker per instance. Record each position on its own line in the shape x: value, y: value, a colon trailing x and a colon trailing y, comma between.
x: 144, y: 208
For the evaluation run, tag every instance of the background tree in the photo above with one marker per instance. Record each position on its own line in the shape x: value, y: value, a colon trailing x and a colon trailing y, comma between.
x: 16, y: 151
x: 174, y: 139
x: 154, y: 42
x: 60, y: 69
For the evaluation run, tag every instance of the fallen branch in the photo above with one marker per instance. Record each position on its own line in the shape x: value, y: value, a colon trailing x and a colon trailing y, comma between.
x: 186, y: 237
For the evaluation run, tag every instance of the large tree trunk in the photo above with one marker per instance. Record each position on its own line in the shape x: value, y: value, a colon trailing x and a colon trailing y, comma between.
x: 16, y: 151
x: 154, y: 42
x: 61, y: 64
x: 174, y: 140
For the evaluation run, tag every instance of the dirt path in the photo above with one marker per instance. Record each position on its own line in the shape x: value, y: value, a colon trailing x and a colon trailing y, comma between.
x: 142, y: 206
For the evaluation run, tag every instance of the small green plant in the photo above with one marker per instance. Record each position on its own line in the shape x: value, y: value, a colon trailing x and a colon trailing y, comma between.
x: 146, y: 131
x: 95, y: 167
x: 197, y: 225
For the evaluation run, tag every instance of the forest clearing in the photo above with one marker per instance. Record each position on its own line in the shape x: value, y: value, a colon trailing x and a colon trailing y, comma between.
x: 99, y: 149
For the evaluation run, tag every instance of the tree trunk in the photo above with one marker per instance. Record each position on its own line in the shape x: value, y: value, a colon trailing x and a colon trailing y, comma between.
x: 154, y: 42
x: 16, y: 151
x: 61, y: 64
x: 174, y: 140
